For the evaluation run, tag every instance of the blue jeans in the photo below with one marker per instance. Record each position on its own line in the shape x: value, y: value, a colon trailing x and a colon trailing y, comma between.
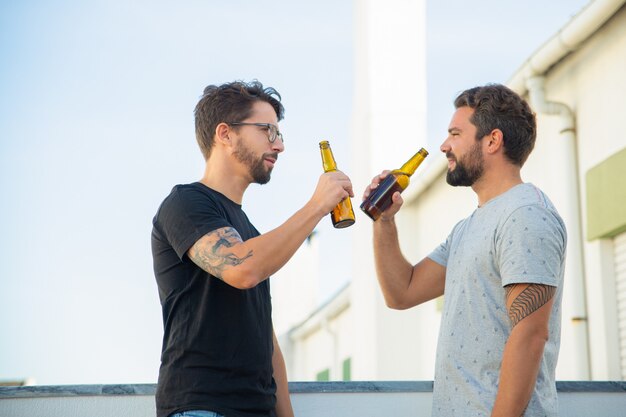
x: 197, y: 413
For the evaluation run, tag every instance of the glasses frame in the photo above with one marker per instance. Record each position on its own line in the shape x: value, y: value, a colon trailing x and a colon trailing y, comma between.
x: 273, y: 130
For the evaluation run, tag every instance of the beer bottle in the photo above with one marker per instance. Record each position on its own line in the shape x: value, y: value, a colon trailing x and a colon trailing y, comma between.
x: 397, y: 180
x: 342, y: 215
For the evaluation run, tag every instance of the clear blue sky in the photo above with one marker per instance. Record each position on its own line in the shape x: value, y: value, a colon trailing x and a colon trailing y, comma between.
x: 96, y: 126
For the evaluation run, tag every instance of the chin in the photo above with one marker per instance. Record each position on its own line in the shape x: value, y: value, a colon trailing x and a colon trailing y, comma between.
x: 262, y: 180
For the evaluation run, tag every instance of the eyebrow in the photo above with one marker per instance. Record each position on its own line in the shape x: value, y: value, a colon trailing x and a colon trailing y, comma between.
x: 454, y: 128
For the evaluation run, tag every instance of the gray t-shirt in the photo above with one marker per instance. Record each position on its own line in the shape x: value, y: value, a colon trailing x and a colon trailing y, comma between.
x: 517, y: 237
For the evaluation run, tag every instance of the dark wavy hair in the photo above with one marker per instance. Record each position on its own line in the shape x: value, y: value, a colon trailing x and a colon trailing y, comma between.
x: 498, y: 107
x: 230, y: 102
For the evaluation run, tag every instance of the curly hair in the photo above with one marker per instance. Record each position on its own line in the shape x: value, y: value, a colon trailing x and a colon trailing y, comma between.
x: 498, y: 107
x: 230, y: 102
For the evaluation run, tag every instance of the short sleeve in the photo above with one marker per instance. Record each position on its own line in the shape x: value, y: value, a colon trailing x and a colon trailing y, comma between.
x: 530, y: 247
x: 186, y: 216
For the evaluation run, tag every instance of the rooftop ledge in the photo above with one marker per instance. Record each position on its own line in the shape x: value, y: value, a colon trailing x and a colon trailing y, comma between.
x: 310, y: 399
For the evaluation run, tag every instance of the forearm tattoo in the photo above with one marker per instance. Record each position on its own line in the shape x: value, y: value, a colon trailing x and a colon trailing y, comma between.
x: 528, y: 301
x: 211, y: 252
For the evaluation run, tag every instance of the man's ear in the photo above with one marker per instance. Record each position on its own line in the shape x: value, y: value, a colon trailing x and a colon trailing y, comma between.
x: 222, y: 132
x: 495, y: 141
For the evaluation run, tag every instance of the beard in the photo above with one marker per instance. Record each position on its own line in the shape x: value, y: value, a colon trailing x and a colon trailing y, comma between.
x: 259, y: 173
x: 468, y: 170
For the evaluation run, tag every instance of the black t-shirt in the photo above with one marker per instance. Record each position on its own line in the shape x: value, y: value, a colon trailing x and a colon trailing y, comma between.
x: 217, y: 343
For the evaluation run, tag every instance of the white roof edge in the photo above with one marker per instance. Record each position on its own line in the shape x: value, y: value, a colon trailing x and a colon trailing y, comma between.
x: 331, y: 309
x: 566, y: 40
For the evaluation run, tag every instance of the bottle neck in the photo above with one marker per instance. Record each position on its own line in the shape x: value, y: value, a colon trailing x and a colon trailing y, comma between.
x: 411, y: 165
x: 328, y: 160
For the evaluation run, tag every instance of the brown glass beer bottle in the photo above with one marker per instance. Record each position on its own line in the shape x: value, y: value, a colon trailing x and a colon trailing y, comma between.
x: 397, y: 180
x: 343, y: 214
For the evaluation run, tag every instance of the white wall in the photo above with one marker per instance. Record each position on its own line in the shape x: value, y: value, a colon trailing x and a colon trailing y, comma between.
x: 325, y: 349
x: 591, y: 82
x: 323, y: 342
x: 295, y: 288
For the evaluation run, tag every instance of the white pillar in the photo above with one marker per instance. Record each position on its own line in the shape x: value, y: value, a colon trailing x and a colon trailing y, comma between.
x: 389, y: 125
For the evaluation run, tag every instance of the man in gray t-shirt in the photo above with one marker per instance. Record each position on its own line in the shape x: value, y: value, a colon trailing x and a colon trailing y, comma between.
x: 514, y: 238
x: 500, y: 269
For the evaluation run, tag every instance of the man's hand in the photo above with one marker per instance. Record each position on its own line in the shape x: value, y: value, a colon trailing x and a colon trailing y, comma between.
x: 332, y: 187
x: 396, y: 199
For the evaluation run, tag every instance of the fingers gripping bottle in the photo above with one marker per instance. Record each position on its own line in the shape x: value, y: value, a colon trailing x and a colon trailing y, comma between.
x: 343, y: 214
x: 397, y: 180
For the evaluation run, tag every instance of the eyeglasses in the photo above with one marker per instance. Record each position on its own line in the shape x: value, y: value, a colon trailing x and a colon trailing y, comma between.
x: 273, y: 130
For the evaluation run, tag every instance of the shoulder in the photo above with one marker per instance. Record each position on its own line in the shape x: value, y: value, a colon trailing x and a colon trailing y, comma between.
x: 527, y: 194
x: 533, y: 226
x: 527, y: 203
x: 190, y: 195
x: 527, y: 213
x: 532, y: 204
x: 185, y: 202
x: 193, y: 190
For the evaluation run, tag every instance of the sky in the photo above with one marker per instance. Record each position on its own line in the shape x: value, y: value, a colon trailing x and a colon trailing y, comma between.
x: 96, y: 126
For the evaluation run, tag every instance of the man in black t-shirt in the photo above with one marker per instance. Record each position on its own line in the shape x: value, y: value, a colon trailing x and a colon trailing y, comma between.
x: 220, y: 356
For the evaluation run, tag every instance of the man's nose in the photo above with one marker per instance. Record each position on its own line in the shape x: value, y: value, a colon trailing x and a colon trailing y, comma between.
x: 445, y: 147
x: 278, y: 145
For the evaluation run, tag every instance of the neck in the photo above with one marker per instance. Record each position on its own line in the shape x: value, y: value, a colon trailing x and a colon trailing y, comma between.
x: 220, y: 176
x: 496, y: 182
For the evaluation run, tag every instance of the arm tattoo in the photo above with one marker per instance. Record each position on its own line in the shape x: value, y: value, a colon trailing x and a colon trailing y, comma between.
x: 528, y: 301
x: 212, y: 254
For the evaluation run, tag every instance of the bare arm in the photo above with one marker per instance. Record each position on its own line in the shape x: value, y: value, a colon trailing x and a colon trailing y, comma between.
x: 403, y: 285
x: 529, y: 307
x: 283, y: 401
x: 244, y: 264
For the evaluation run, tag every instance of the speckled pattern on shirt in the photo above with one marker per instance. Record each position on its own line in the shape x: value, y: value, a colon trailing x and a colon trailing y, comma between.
x: 517, y: 237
